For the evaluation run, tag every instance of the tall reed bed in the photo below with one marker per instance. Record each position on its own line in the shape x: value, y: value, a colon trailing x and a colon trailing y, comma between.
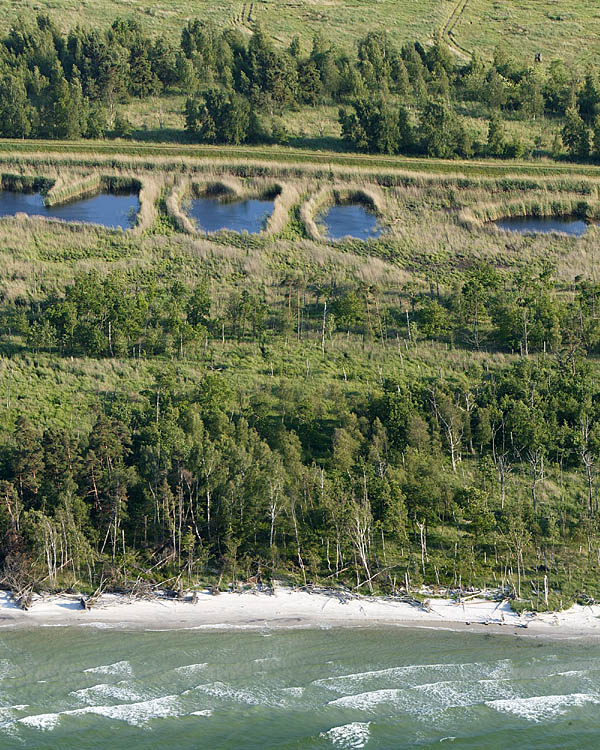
x: 538, y: 205
x: 150, y: 189
x: 481, y: 168
x: 20, y: 183
x: 177, y: 194
x: 67, y: 188
x: 420, y: 173
x: 288, y: 196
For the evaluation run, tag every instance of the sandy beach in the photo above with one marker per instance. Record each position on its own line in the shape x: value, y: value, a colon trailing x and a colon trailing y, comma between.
x: 287, y: 608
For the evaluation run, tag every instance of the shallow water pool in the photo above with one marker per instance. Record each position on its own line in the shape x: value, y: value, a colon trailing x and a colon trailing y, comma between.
x: 111, y: 210
x: 350, y: 220
x: 571, y: 225
x: 212, y: 214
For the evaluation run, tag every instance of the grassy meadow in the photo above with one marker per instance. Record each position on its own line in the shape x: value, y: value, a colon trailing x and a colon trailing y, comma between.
x: 568, y: 31
x: 555, y: 30
x: 284, y: 18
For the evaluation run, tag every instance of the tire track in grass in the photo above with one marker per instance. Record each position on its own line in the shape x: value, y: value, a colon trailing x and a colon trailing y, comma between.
x: 450, y: 25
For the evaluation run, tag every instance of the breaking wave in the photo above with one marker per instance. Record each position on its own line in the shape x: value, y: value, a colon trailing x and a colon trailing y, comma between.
x: 412, y: 674
x: 43, y: 722
x: 122, y: 668
x: 349, y: 736
x: 543, y: 707
x: 120, y: 692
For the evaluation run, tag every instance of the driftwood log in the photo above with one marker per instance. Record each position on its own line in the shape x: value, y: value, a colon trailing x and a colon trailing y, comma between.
x: 24, y: 598
x: 91, y: 600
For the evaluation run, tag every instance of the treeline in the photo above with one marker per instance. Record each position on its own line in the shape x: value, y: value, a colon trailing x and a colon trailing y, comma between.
x: 129, y: 316
x: 404, y: 100
x: 392, y: 100
x: 425, y: 480
x: 71, y: 86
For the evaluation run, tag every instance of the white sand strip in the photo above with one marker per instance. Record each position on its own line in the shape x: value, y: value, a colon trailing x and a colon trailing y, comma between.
x: 288, y: 608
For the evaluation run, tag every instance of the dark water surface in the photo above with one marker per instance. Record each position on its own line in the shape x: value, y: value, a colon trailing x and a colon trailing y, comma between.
x: 379, y: 689
x: 350, y: 220
x: 212, y: 214
x: 107, y: 209
x: 544, y: 225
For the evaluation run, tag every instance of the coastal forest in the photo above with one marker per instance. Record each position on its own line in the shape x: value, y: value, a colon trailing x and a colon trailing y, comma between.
x: 403, y: 411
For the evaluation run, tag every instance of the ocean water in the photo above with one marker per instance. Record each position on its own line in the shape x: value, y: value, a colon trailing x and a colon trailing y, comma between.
x: 94, y: 687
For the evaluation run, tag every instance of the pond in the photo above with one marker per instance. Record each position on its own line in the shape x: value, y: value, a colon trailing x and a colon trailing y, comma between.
x: 350, y: 220
x: 212, y: 214
x: 572, y: 225
x: 107, y: 209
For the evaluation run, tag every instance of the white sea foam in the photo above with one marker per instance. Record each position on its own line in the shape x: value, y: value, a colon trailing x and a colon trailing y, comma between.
x: 368, y: 701
x: 255, y: 698
x: 7, y: 716
x: 136, y: 714
x: 413, y: 673
x: 543, y: 707
x: 43, y: 722
x: 297, y: 692
x: 448, y: 694
x: 227, y: 626
x: 7, y: 669
x: 205, y: 712
x: 120, y: 692
x: 349, y: 736
x: 122, y: 668
x: 190, y: 669
x: 429, y: 698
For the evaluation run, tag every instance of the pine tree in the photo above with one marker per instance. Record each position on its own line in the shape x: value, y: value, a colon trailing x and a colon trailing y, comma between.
x: 575, y: 135
x: 15, y: 110
x: 596, y: 138
x: 496, y: 140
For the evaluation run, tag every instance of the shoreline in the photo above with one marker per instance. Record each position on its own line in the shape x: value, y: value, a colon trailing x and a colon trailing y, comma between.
x: 289, y: 609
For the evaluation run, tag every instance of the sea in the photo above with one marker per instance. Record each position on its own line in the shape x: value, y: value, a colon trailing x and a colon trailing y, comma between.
x: 298, y: 689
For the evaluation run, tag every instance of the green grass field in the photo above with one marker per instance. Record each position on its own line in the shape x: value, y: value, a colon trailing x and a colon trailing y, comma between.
x: 339, y: 20
x: 566, y: 30
x: 555, y: 29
